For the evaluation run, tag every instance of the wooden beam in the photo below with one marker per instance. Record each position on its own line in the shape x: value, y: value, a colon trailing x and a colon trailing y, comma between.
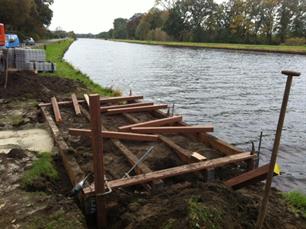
x: 98, y: 158
x: 174, y: 129
x: 72, y: 167
x: 56, y: 110
x: 175, y: 171
x: 86, y: 97
x: 105, y: 108
x: 136, y: 109
x: 198, y: 157
x: 116, y: 135
x: 75, y: 104
x: 210, y: 140
x: 155, y: 123
x: 249, y: 177
x: 102, y: 100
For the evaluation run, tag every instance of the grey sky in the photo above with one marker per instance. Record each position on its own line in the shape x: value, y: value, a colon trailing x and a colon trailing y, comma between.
x: 94, y: 16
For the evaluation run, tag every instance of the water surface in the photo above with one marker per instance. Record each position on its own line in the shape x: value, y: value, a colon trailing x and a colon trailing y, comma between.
x: 239, y: 92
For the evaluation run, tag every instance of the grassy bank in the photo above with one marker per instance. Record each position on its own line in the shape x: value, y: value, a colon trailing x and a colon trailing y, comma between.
x: 55, y: 53
x: 244, y: 47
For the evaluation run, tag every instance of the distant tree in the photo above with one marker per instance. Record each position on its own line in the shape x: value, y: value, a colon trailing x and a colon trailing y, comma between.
x: 132, y: 25
x: 120, y: 28
x: 298, y: 26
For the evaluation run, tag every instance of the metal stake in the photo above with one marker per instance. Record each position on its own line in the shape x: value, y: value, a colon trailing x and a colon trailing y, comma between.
x: 265, y: 200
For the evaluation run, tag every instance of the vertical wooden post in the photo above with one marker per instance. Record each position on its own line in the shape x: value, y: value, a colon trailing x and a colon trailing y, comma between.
x: 98, y: 162
x: 262, y: 212
x: 6, y: 67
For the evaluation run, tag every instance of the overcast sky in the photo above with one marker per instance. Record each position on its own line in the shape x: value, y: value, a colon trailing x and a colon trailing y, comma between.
x: 95, y: 16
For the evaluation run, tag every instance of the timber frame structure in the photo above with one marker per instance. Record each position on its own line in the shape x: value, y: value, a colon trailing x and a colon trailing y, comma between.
x: 93, y: 107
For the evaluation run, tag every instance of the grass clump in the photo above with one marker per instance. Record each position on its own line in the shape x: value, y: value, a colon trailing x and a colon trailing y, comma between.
x: 42, y: 169
x: 296, y: 200
x: 59, y: 219
x: 199, y: 215
x: 297, y: 49
x: 55, y: 53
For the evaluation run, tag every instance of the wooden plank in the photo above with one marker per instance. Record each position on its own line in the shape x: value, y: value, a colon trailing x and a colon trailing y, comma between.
x: 252, y: 176
x: 198, y: 157
x: 136, y: 109
x: 116, y: 135
x: 75, y: 104
x: 98, y: 158
x: 105, y: 108
x: 56, y: 110
x: 174, y: 129
x: 209, y: 140
x: 175, y: 171
x: 153, y: 123
x: 102, y: 100
x: 72, y: 167
x: 86, y: 97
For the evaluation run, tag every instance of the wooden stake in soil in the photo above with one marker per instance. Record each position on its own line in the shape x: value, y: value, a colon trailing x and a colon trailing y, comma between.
x: 5, y: 54
x: 262, y: 212
x: 56, y: 110
x: 98, y: 161
x: 76, y: 105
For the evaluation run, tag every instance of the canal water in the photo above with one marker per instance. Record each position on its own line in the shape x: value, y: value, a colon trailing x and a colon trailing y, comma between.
x: 239, y: 92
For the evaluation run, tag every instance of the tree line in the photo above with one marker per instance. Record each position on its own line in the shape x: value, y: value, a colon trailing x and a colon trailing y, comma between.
x: 26, y: 17
x: 234, y: 21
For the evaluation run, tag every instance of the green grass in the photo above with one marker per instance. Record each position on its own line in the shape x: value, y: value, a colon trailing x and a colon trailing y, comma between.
x: 199, y: 215
x: 246, y: 47
x: 55, y: 53
x: 297, y: 200
x: 42, y: 168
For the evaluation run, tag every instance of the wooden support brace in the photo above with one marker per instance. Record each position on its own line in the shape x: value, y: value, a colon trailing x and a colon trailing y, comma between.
x: 153, y: 123
x: 249, y: 177
x: 86, y: 97
x: 75, y: 104
x: 56, y: 110
x: 116, y: 135
x: 136, y: 109
x: 102, y: 100
x: 173, y: 129
x: 105, y: 108
x: 175, y: 171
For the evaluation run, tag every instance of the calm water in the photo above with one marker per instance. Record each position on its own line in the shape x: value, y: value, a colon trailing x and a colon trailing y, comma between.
x: 239, y: 92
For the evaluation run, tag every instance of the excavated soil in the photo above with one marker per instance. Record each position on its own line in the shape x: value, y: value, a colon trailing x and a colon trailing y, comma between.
x: 27, y: 85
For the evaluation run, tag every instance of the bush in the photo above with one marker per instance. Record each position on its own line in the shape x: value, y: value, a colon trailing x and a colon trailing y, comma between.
x: 297, y: 200
x: 296, y: 41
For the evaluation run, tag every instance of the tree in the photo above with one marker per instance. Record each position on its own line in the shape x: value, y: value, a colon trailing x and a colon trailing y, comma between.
x: 120, y: 28
x: 132, y: 25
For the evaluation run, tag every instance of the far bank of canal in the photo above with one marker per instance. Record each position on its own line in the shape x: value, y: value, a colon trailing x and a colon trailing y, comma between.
x: 239, y: 92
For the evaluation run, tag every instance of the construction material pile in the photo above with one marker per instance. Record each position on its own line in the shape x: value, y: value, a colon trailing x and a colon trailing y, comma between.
x: 29, y: 60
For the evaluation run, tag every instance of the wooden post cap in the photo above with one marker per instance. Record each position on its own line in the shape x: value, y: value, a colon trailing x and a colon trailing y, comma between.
x: 291, y: 73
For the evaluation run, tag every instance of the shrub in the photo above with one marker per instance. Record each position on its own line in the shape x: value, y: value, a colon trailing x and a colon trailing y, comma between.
x: 296, y: 41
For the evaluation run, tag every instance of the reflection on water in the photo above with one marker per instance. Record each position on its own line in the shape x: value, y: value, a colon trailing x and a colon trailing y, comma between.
x: 240, y: 92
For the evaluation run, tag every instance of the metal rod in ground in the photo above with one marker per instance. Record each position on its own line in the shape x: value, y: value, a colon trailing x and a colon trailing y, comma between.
x: 98, y: 160
x: 263, y: 208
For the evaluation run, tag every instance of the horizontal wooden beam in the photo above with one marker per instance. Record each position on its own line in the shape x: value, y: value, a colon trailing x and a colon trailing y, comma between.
x: 76, y: 105
x: 136, y: 109
x: 173, y: 129
x: 103, y: 100
x: 56, y: 110
x: 175, y: 171
x: 105, y: 108
x: 249, y: 177
x: 116, y: 135
x: 155, y: 123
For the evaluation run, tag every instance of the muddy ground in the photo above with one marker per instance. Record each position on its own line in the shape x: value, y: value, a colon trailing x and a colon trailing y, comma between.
x: 182, y: 202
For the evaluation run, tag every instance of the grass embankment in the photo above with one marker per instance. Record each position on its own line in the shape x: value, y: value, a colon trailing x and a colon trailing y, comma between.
x: 243, y: 47
x: 296, y: 200
x: 55, y: 53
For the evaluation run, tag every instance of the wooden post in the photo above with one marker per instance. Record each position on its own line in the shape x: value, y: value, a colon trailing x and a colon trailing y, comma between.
x: 98, y: 162
x: 263, y: 208
x: 6, y: 67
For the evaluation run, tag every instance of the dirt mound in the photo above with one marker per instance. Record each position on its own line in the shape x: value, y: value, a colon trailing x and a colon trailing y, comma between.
x: 205, y: 206
x: 28, y: 85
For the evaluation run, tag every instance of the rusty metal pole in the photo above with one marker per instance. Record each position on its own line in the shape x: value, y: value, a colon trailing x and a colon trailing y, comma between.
x: 264, y: 203
x: 98, y: 161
